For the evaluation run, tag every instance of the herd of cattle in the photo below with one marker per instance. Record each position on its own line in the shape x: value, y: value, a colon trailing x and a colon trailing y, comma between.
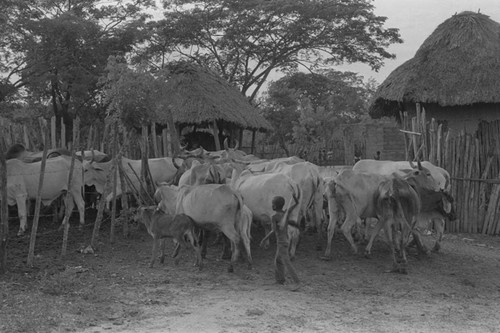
x: 230, y: 191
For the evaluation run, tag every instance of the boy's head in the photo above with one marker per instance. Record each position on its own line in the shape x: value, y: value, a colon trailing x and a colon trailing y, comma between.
x: 278, y: 203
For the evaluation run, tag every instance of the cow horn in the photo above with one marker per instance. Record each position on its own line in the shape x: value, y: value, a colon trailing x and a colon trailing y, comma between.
x: 419, y: 165
x: 226, y: 147
x: 237, y: 145
x: 93, y: 155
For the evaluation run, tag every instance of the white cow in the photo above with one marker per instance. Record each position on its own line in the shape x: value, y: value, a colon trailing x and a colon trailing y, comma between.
x: 23, y: 179
x: 210, y: 206
x: 162, y: 170
x: 440, y: 175
x: 258, y: 191
x: 306, y: 175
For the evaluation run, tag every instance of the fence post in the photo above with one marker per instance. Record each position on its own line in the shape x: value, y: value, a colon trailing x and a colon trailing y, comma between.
x: 4, y: 211
x: 34, y: 228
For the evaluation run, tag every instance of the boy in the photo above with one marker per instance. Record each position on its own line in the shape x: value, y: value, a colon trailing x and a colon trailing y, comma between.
x: 279, y: 225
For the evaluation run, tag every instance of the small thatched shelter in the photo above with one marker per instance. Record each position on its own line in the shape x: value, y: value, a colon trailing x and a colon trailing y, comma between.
x: 455, y: 75
x: 199, y: 98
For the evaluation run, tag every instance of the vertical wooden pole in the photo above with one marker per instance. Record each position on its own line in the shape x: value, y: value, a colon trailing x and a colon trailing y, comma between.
x: 154, y: 140
x: 52, y: 132
x: 4, y: 211
x: 252, y: 150
x: 115, y: 185
x: 164, y: 135
x: 69, y: 196
x: 123, y: 183
x: 31, y: 252
x: 240, y: 137
x: 174, y: 136
x: 89, y: 137
x: 215, y: 131
x: 26, y: 138
x: 63, y: 133
x: 100, y: 208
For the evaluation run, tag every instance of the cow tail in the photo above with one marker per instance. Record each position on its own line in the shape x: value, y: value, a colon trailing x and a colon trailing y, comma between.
x: 298, y: 193
x: 239, y: 210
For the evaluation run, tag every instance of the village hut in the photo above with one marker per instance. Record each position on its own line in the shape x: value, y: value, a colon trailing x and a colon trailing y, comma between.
x: 454, y: 75
x: 204, y: 105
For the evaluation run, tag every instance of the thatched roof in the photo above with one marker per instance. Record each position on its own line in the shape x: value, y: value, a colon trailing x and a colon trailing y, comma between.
x: 458, y: 64
x: 199, y: 96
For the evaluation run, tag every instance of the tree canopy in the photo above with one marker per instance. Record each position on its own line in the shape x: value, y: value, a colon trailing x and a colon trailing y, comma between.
x: 246, y: 40
x: 307, y: 107
x: 55, y: 51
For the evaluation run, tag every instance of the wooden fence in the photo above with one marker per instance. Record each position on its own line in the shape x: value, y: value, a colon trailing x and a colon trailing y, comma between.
x: 472, y: 159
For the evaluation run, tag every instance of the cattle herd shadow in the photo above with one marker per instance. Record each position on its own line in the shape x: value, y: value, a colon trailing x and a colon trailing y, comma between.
x: 115, y: 286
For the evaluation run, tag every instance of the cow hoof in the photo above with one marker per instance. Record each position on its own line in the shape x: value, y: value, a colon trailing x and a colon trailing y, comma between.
x: 230, y: 269
x: 326, y: 258
x: 250, y: 267
x: 436, y: 248
x: 368, y: 255
x: 20, y: 233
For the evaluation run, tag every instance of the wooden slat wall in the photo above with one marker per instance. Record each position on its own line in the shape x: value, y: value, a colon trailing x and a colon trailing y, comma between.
x: 472, y: 159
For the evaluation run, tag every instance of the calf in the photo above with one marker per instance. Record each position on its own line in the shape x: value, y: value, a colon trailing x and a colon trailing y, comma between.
x: 160, y: 226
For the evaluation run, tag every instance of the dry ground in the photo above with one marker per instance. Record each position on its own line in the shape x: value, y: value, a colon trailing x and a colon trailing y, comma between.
x: 114, y: 290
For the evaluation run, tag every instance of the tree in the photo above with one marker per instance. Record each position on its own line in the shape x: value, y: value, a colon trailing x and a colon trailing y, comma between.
x: 246, y: 40
x: 57, y: 50
x: 306, y: 108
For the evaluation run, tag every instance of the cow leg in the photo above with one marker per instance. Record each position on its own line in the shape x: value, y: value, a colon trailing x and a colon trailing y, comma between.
x: 246, y: 243
x: 346, y: 228
x: 192, y: 239
x: 318, y: 221
x: 418, y: 242
x: 154, y: 252
x: 204, y: 235
x: 375, y: 232
x: 333, y: 210
x: 233, y: 236
x: 226, y: 248
x: 266, y: 224
x: 439, y: 227
x: 388, y: 230
x: 80, y: 204
x: 163, y: 245
x: 22, y: 213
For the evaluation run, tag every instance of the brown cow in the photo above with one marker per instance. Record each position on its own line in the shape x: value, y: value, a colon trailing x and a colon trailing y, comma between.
x: 160, y: 226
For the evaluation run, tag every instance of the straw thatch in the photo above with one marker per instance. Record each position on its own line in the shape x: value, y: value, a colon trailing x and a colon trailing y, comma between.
x: 458, y: 64
x: 197, y: 96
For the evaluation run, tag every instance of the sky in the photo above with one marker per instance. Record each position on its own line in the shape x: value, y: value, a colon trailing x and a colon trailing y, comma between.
x: 416, y: 20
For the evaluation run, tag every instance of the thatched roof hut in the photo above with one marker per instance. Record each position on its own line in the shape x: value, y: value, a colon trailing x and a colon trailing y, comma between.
x: 201, y: 98
x: 197, y: 95
x: 457, y: 66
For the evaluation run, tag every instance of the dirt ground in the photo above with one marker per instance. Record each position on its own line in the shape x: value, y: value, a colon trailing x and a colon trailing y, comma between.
x: 114, y: 290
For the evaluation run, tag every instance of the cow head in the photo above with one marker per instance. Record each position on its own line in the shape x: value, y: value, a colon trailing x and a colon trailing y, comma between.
x: 167, y: 197
x: 448, y: 207
x: 95, y: 174
x: 232, y: 153
x: 420, y: 178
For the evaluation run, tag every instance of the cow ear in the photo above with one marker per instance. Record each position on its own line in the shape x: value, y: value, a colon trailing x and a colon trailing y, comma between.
x: 412, y: 165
